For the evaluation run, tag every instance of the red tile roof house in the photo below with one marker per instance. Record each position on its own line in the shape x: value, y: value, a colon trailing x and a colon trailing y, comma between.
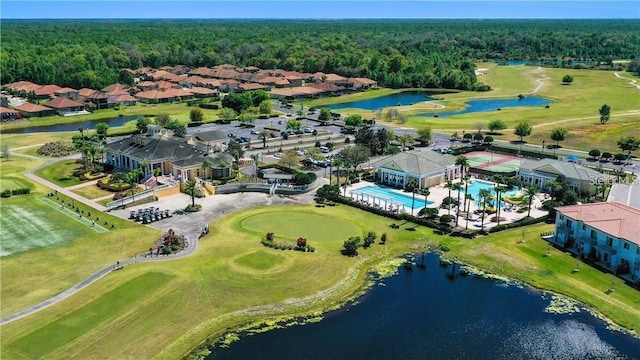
x: 22, y: 87
x: 68, y: 93
x: 164, y: 85
x: 229, y: 85
x: 147, y: 85
x: 8, y: 114
x: 67, y: 107
x: 251, y: 87
x: 607, y: 233
x: 202, y: 92
x: 33, y: 110
x: 274, y: 81
x: 170, y: 95
x: 211, y: 83
x: 117, y: 87
x: 46, y: 91
x: 362, y: 83
x: 94, y: 98
x: 122, y: 100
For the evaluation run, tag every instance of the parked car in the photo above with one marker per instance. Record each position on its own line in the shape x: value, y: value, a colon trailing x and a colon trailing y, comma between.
x: 277, y: 155
x: 307, y: 130
x: 324, y: 149
x: 231, y: 135
x: 273, y: 135
x: 254, y: 132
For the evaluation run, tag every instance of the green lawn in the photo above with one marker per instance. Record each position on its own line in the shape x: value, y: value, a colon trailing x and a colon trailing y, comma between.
x: 207, y: 292
x: 176, y: 110
x: 61, y: 173
x: 92, y: 192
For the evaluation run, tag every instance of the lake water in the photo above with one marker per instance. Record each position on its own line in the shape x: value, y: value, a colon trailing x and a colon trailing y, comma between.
x: 434, y: 313
x: 485, y: 105
x: 73, y: 126
x: 397, y: 99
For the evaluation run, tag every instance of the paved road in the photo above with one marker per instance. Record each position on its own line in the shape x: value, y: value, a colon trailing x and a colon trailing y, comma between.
x: 190, y: 225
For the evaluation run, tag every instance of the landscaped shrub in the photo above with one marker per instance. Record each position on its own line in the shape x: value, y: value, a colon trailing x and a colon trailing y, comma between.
x: 446, y: 219
x: 57, y: 149
x: 6, y: 193
x: 383, y: 239
x: 301, y: 243
x: 523, y: 222
x: 209, y: 106
x: 351, y: 246
x: 369, y: 239
x: 21, y: 191
x: 270, y: 236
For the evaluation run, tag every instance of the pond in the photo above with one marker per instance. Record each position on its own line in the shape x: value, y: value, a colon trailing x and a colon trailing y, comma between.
x: 397, y: 99
x: 73, y: 126
x: 436, y: 313
x: 485, y: 105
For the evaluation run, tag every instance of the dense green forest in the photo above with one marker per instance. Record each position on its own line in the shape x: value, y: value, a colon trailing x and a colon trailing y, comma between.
x: 396, y: 53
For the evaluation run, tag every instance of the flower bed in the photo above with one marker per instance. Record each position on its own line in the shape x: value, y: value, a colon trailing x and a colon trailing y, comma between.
x: 106, y: 184
x: 92, y: 176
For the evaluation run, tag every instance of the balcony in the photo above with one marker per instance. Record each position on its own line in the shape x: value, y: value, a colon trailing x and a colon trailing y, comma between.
x: 607, y: 249
x: 587, y: 240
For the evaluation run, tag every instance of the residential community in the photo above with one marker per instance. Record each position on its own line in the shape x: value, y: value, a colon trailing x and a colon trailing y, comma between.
x: 173, y: 200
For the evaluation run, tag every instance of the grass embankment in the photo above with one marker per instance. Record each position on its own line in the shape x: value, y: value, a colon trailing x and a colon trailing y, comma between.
x: 233, y: 279
x: 61, y: 173
x: 73, y: 251
x: 178, y: 111
x: 208, y: 292
x: 92, y: 192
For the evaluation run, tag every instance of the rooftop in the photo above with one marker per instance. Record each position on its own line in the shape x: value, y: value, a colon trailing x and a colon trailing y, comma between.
x: 556, y: 167
x: 416, y: 162
x: 613, y: 218
x: 625, y: 194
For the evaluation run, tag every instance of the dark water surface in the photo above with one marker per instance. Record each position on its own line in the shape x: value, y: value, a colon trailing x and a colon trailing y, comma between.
x: 74, y: 126
x: 485, y: 105
x: 432, y: 314
x: 397, y: 99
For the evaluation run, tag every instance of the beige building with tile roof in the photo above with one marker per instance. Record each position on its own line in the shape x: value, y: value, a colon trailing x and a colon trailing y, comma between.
x: 430, y: 168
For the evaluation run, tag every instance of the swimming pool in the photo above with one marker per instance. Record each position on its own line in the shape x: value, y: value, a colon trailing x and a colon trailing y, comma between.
x: 476, y: 185
x: 386, y: 194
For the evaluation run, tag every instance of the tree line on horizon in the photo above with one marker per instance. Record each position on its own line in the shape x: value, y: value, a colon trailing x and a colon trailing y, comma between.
x: 427, y: 54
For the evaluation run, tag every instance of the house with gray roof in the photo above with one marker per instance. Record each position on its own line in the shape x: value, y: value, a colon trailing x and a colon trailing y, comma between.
x: 180, y: 158
x: 429, y: 168
x: 539, y: 172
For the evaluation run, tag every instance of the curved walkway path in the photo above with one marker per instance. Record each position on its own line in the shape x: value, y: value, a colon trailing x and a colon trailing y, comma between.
x: 632, y: 82
x: 224, y: 204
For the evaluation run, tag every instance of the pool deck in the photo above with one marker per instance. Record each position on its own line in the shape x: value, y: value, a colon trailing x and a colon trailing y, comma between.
x: 439, y: 193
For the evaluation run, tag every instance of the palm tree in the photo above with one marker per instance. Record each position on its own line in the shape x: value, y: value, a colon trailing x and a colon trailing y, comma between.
x: 466, y: 190
x: 425, y: 192
x: 458, y: 187
x: 206, y: 164
x: 338, y: 162
x: 142, y: 169
x: 531, y: 191
x: 463, y: 162
x: 132, y: 179
x: 263, y: 136
x: 554, y: 187
x: 469, y: 198
x: 255, y: 158
x: 449, y: 185
x: 484, y: 195
x: 412, y: 185
x: 190, y: 188
x: 498, y: 189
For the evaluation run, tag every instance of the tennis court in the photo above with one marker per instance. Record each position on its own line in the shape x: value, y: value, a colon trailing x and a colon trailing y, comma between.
x: 493, y: 162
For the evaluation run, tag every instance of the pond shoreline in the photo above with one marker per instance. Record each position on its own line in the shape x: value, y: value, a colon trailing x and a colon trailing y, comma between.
x: 567, y: 305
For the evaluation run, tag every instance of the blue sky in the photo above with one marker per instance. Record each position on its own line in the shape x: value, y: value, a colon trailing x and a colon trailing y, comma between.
x: 318, y: 9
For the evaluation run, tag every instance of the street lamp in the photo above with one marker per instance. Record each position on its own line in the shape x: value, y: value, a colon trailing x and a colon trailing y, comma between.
x: 543, y: 146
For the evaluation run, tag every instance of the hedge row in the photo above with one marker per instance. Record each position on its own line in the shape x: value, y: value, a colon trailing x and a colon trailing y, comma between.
x: 8, y: 193
x: 519, y: 223
x: 209, y: 106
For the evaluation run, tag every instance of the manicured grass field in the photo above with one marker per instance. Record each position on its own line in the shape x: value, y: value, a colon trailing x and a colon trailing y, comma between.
x: 291, y: 226
x: 92, y: 192
x: 27, y: 224
x: 108, y: 308
x: 210, y: 291
x: 61, y: 173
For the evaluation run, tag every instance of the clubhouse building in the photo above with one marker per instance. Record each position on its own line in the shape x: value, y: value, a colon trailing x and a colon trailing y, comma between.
x: 429, y: 168
x: 177, y: 158
x: 539, y: 172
